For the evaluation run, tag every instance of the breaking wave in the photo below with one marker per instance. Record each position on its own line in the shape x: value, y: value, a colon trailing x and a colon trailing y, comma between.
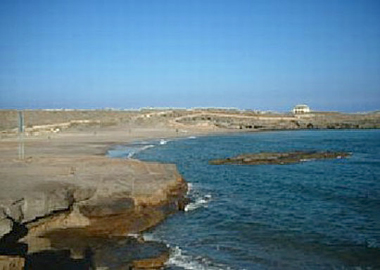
x: 178, y: 258
x: 197, y: 198
x: 162, y: 142
x: 130, y: 150
x: 199, y: 202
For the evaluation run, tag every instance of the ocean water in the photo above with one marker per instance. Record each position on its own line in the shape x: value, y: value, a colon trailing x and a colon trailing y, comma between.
x: 312, y: 215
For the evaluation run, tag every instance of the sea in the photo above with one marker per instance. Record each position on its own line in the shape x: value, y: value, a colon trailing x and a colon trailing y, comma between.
x: 317, y: 214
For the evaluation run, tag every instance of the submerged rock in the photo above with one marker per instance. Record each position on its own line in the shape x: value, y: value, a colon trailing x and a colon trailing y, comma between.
x: 279, y: 158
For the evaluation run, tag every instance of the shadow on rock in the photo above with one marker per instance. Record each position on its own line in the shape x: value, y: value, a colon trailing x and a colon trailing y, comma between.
x: 77, y: 249
x: 58, y: 260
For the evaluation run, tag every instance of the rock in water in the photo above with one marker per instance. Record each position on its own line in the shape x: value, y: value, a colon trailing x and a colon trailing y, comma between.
x: 278, y: 157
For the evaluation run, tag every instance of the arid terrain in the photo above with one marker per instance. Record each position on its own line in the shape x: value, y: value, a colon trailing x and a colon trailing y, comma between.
x: 39, y: 122
x: 64, y: 180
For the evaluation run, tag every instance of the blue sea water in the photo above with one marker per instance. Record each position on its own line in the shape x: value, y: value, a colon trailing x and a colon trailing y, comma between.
x: 312, y: 215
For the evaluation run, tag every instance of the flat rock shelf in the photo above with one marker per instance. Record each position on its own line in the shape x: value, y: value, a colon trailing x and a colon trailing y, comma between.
x: 279, y: 158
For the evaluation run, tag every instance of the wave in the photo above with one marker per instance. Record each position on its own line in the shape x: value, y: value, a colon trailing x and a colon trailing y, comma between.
x: 197, y: 197
x: 179, y: 259
x: 163, y: 142
x: 140, y: 149
x: 198, y: 202
x: 191, y: 137
x: 149, y: 236
x: 128, y: 151
x: 190, y: 188
x: 134, y: 235
x: 307, y: 159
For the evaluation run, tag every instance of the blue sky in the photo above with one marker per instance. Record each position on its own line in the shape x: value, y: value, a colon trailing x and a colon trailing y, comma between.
x: 257, y: 54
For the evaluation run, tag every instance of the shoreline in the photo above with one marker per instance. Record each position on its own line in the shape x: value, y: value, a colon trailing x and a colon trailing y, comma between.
x: 67, y: 171
x: 84, y: 204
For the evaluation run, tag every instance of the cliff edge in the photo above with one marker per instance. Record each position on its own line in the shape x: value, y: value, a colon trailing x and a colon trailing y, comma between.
x: 99, y: 196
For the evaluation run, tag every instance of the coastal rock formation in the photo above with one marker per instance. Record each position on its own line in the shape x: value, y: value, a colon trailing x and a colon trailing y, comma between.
x: 96, y: 187
x: 11, y: 263
x: 278, y: 158
x: 100, y: 196
x: 79, y: 246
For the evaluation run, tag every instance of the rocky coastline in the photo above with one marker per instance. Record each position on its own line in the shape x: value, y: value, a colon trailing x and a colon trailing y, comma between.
x: 68, y: 206
x: 97, y: 202
x: 65, y: 205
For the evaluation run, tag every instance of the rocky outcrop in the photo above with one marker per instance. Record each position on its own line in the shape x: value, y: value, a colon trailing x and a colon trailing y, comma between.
x: 98, y: 196
x: 278, y: 158
x: 75, y: 247
x: 11, y: 262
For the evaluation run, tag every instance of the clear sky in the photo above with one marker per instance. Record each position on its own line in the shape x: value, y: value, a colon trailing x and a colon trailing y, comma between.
x: 250, y: 54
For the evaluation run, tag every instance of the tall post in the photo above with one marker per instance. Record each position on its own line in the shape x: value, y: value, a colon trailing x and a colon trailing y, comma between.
x: 21, y: 150
x: 133, y: 187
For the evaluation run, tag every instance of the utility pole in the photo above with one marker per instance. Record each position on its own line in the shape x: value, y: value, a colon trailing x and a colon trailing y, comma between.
x: 21, y: 128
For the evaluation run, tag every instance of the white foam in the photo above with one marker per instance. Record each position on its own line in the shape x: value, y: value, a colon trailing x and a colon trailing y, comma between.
x: 199, y: 202
x: 129, y: 151
x: 191, y: 137
x: 189, y: 188
x: 162, y: 142
x: 179, y: 259
x: 307, y: 159
x: 134, y: 150
x: 150, y: 237
x: 134, y: 235
x: 146, y: 147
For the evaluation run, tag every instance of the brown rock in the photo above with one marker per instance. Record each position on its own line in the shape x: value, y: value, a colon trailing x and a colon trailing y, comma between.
x: 11, y: 262
x: 151, y: 263
x: 107, y: 252
x: 278, y: 158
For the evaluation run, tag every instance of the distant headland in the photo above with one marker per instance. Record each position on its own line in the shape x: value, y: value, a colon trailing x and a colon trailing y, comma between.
x: 300, y: 117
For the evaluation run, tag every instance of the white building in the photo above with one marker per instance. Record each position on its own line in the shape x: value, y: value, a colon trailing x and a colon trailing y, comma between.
x: 300, y: 109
